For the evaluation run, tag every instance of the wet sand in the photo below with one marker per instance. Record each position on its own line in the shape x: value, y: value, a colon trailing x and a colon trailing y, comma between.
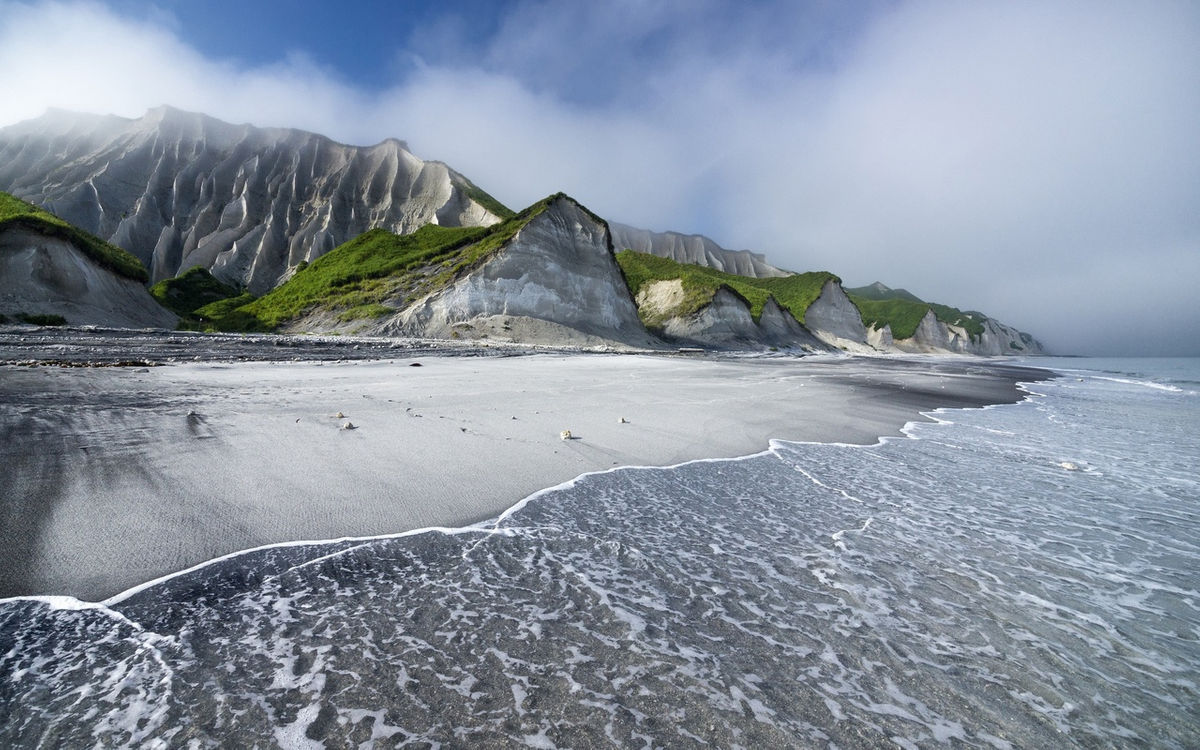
x: 113, y: 476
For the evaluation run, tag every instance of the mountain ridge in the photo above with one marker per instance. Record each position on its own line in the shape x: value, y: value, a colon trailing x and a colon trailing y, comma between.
x: 179, y: 189
x: 259, y: 210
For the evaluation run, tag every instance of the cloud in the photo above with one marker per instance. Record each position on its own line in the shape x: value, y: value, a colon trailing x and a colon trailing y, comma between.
x: 1034, y: 160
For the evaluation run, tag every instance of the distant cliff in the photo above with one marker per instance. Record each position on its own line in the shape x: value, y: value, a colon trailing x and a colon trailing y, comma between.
x: 898, y: 319
x: 695, y: 249
x: 180, y: 189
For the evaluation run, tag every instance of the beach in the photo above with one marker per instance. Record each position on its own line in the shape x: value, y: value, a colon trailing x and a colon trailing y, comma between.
x: 115, y: 476
x: 1018, y: 576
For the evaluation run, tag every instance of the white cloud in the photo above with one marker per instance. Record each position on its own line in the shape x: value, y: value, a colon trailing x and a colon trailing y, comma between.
x: 1034, y: 160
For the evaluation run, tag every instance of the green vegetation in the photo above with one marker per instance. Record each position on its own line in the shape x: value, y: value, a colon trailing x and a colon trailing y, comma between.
x: 477, y: 194
x: 905, y: 315
x: 358, y: 279
x: 878, y: 291
x: 42, y: 320
x: 191, y: 290
x: 794, y: 293
x: 15, y: 212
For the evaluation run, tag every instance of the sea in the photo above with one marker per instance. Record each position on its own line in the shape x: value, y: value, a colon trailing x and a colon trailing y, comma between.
x: 1017, y: 576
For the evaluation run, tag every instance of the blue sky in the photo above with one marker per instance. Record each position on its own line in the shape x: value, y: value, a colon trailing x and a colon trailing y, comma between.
x: 1036, y: 160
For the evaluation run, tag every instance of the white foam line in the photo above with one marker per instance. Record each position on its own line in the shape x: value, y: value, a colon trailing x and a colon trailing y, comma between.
x: 490, y: 527
x: 72, y: 604
x: 450, y: 531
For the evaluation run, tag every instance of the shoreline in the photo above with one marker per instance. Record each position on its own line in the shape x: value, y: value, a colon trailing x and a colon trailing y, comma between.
x: 133, y: 474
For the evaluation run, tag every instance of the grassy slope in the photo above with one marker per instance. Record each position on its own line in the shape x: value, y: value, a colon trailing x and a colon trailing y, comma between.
x: 15, y: 212
x: 477, y: 194
x: 794, y: 293
x: 905, y: 315
x: 191, y: 290
x: 873, y: 293
x: 355, y: 279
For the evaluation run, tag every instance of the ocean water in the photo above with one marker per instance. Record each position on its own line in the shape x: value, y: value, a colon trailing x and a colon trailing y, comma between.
x: 1012, y: 577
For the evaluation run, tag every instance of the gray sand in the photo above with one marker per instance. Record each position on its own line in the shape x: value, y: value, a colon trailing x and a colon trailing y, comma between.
x: 114, y: 476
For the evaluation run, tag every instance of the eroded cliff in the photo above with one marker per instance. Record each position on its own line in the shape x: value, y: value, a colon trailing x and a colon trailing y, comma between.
x: 179, y: 189
x: 42, y: 275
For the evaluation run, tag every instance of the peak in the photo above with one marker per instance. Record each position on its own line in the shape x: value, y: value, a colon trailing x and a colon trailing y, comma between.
x: 167, y: 113
x: 395, y: 142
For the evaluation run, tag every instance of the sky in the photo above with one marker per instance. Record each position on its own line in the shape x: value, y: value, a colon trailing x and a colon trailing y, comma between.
x: 1039, y: 161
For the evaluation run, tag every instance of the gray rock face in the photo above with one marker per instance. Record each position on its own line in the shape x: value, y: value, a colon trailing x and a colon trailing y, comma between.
x: 1000, y: 339
x: 880, y: 338
x: 50, y: 276
x: 834, y: 319
x: 726, y: 323
x: 693, y: 248
x: 556, y: 281
x: 936, y: 337
x: 179, y: 189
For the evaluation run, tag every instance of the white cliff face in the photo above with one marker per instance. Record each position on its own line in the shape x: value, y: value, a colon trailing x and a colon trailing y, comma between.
x: 834, y: 319
x: 725, y: 322
x: 50, y: 276
x: 556, y: 280
x: 693, y: 248
x: 934, y: 336
x: 881, y: 338
x: 179, y: 189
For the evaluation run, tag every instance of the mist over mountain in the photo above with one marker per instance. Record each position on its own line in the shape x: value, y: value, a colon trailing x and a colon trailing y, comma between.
x: 181, y: 189
x: 253, y: 207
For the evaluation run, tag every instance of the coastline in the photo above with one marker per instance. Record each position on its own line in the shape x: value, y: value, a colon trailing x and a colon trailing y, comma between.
x: 123, y: 475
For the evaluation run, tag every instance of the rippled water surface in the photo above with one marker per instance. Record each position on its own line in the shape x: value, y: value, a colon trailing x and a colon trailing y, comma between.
x: 1019, y: 576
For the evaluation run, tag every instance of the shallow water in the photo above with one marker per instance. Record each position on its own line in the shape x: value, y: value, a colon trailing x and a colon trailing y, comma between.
x: 1017, y: 576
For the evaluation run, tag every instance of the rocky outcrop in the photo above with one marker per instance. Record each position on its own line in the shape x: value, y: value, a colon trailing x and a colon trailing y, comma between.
x: 725, y: 322
x: 693, y: 248
x: 880, y: 338
x: 179, y: 189
x: 555, y: 281
x: 834, y: 319
x: 935, y: 336
x: 41, y: 275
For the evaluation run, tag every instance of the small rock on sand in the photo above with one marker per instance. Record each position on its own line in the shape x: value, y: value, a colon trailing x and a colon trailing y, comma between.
x: 349, y: 426
x: 622, y: 420
x: 1069, y: 466
x: 565, y: 435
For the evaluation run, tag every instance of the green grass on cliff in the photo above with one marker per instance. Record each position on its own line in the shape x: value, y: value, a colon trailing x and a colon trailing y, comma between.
x: 794, y: 293
x: 191, y: 290
x: 15, y: 212
x: 904, y: 315
x: 373, y: 275
x: 878, y: 291
x: 477, y: 194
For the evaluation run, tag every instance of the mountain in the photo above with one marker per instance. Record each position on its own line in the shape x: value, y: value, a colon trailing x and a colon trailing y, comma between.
x: 546, y: 275
x: 283, y: 230
x: 878, y: 291
x: 179, y: 189
x: 695, y: 249
x: 51, y: 271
